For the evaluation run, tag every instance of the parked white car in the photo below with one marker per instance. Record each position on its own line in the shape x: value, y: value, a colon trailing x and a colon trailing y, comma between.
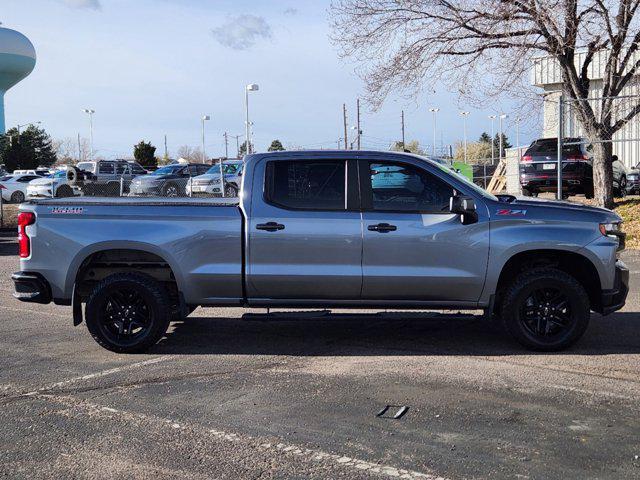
x: 209, y: 183
x: 55, y: 185
x: 13, y: 188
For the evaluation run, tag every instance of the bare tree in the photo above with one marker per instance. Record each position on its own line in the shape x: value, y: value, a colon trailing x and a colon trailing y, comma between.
x: 69, y: 150
x: 190, y: 153
x: 481, y: 47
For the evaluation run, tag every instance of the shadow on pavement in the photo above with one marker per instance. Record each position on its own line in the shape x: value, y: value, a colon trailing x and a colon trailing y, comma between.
x: 392, y: 334
x: 8, y: 245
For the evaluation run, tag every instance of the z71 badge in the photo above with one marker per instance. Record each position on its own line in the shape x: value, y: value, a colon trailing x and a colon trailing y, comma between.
x: 506, y: 211
x: 67, y: 210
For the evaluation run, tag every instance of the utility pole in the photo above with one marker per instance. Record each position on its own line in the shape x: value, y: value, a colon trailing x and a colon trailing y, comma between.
x: 226, y: 145
x: 166, y: 151
x: 358, y: 121
x: 79, y: 153
x: 402, y: 120
x: 344, y: 120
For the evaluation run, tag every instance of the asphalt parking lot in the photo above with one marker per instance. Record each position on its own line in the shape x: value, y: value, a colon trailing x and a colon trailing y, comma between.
x: 295, y: 395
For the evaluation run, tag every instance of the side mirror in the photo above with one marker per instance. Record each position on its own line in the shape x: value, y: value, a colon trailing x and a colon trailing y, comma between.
x: 465, y: 207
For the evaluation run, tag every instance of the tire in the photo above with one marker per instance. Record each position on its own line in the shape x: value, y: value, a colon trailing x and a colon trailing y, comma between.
x: 588, y: 192
x: 170, y: 190
x: 543, y: 328
x: 144, y: 310
x: 230, y: 191
x: 526, y: 192
x: 64, y: 191
x: 17, y: 197
x: 622, y: 187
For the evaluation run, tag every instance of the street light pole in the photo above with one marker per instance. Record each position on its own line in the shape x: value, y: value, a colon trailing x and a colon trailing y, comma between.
x: 502, y: 117
x: 252, y: 87
x: 90, y: 112
x: 18, y: 127
x: 204, y: 119
x: 493, y: 143
x: 464, y: 123
x: 434, y: 111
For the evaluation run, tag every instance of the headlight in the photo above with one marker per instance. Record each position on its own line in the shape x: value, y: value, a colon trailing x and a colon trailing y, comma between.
x: 632, y: 176
x: 610, y: 228
x: 614, y: 230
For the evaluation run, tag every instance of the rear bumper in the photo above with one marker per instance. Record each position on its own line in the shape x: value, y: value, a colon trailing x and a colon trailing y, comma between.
x: 537, y: 184
x: 31, y: 287
x: 614, y: 299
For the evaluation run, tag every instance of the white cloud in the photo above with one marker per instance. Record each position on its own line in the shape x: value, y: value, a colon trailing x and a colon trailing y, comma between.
x: 91, y: 4
x: 242, y: 32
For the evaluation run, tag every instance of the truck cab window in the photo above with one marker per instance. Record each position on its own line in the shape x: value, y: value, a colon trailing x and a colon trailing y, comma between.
x: 308, y: 185
x: 404, y: 187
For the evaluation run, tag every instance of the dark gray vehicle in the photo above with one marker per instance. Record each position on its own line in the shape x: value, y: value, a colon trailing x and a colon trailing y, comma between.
x: 539, y: 164
x: 167, y: 181
x: 325, y: 229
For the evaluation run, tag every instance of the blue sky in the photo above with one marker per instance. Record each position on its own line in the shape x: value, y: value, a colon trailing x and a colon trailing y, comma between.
x: 154, y: 67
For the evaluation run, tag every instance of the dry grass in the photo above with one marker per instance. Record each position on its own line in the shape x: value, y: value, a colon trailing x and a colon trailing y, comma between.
x: 10, y: 215
x: 629, y: 210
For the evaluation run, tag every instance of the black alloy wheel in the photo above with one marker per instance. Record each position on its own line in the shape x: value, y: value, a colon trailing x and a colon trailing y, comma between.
x: 128, y: 312
x: 545, y: 309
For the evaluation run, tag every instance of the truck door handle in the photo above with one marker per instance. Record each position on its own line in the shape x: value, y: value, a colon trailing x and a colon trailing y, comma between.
x: 270, y: 226
x: 382, y: 228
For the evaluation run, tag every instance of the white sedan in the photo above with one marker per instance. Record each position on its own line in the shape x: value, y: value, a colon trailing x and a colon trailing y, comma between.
x: 13, y: 188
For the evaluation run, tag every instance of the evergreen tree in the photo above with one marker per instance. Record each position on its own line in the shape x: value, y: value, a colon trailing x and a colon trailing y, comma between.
x: 276, y: 146
x: 243, y: 149
x: 505, y: 144
x: 29, y: 149
x: 145, y: 154
x: 485, y: 138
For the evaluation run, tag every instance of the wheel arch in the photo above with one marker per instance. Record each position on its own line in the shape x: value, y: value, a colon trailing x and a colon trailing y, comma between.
x: 86, y: 255
x: 573, y: 263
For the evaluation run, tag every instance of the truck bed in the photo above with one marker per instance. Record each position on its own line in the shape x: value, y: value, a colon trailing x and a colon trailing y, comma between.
x: 199, y: 238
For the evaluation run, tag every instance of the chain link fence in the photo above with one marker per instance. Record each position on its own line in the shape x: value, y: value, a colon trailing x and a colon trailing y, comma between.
x: 588, y: 130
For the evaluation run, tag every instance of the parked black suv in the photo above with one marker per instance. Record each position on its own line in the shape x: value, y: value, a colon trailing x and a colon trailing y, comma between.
x: 538, y: 169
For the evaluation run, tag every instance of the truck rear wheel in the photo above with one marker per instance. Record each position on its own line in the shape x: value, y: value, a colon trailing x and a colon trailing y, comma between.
x: 545, y: 309
x: 128, y: 312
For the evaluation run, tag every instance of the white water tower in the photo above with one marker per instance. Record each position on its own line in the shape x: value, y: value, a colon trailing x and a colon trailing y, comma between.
x: 17, y: 60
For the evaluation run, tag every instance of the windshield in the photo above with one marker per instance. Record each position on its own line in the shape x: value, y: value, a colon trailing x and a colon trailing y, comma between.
x: 60, y: 174
x: 446, y: 168
x: 6, y: 178
x: 227, y: 168
x: 168, y: 170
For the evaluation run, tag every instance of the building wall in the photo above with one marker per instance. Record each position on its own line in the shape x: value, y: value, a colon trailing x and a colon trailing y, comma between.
x: 626, y: 142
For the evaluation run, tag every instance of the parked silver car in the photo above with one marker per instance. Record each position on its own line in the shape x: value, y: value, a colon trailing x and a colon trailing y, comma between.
x: 209, y: 183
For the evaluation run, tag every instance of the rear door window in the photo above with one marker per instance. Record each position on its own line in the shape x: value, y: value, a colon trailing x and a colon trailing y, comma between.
x: 306, y: 185
x: 106, y: 168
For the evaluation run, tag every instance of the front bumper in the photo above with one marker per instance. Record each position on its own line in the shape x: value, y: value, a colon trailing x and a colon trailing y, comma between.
x: 31, y: 287
x: 614, y: 299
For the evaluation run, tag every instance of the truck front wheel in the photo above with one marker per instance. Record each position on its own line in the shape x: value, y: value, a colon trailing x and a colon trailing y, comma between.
x: 128, y: 312
x: 545, y: 309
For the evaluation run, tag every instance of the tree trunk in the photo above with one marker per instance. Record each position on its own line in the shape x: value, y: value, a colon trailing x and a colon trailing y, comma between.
x: 602, y: 170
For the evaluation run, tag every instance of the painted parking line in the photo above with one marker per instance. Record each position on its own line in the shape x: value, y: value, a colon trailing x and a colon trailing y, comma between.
x: 103, y: 373
x: 276, y: 449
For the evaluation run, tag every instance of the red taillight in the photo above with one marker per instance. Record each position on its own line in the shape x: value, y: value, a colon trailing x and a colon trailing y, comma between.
x: 526, y: 158
x: 577, y: 157
x: 24, y: 244
x: 2, y: 187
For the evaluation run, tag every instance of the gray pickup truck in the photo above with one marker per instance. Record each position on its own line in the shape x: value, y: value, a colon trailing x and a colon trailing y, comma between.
x: 326, y: 229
